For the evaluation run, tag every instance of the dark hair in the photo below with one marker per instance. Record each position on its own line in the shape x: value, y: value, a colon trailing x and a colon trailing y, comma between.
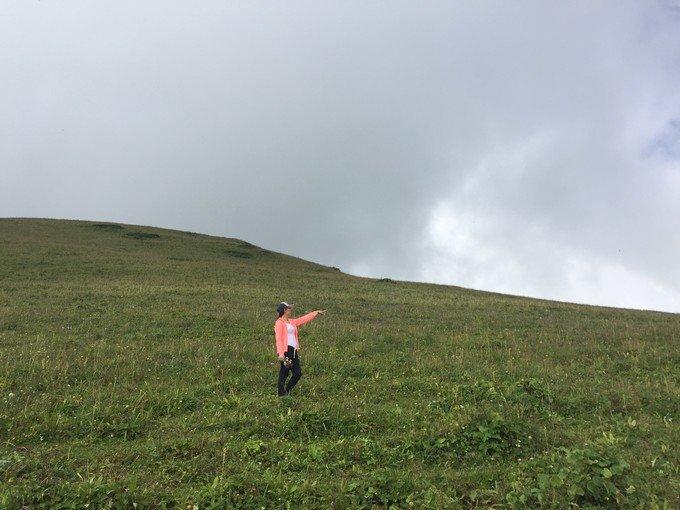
x: 281, y: 313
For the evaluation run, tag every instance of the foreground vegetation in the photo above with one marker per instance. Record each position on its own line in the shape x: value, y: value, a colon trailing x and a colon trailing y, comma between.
x: 137, y: 368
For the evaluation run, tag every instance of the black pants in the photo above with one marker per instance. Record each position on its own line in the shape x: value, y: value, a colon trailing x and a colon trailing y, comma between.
x: 284, y: 371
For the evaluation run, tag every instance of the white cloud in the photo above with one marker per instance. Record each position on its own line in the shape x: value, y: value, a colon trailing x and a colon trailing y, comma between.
x: 485, y: 144
x: 463, y: 254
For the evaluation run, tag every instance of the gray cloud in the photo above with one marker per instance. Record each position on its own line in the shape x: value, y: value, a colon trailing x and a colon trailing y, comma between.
x: 528, y: 148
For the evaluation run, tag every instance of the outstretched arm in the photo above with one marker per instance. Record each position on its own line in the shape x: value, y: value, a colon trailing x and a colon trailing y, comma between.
x: 307, y: 317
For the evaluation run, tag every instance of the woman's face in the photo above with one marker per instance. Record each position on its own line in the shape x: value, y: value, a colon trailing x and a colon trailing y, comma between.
x: 288, y: 312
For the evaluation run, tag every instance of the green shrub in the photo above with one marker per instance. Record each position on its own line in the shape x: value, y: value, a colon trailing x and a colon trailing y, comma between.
x: 382, y: 489
x: 493, y: 436
x: 590, y: 476
x: 486, y: 436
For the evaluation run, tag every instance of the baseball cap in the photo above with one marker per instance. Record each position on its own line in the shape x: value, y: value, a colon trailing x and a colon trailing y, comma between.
x: 282, y: 306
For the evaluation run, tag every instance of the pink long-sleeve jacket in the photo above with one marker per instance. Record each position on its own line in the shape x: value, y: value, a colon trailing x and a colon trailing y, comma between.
x: 281, y: 333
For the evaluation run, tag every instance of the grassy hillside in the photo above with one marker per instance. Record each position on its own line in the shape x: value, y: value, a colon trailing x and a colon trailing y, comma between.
x: 137, y: 365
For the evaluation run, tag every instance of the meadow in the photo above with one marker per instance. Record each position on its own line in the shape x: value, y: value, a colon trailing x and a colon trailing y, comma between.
x: 137, y: 370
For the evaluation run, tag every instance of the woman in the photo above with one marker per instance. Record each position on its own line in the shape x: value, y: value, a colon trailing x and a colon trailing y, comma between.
x: 288, y: 344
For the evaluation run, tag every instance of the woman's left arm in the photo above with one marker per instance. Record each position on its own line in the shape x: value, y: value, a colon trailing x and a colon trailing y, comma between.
x: 307, y: 317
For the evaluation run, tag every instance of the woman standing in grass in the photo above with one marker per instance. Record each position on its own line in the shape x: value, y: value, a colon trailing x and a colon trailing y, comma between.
x: 288, y: 344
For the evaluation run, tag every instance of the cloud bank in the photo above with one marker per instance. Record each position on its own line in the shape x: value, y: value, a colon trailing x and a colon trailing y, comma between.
x: 528, y: 148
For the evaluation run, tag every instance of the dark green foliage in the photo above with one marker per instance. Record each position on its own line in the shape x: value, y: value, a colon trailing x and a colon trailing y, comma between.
x: 484, y: 437
x: 493, y: 436
x: 106, y: 226
x: 142, y: 374
x: 142, y: 235
x: 89, y: 492
x: 590, y: 476
x: 239, y: 254
x: 382, y: 488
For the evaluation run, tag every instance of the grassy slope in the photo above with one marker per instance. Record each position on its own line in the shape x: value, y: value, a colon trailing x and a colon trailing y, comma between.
x: 141, y: 370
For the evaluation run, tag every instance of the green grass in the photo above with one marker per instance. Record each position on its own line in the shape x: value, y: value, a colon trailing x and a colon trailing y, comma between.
x: 137, y: 366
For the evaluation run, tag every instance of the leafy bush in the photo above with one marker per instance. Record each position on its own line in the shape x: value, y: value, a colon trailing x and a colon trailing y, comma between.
x: 381, y: 488
x: 488, y: 436
x: 592, y: 475
x: 493, y: 436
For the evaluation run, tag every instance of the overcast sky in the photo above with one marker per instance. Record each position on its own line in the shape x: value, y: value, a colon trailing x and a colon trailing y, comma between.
x: 524, y: 147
